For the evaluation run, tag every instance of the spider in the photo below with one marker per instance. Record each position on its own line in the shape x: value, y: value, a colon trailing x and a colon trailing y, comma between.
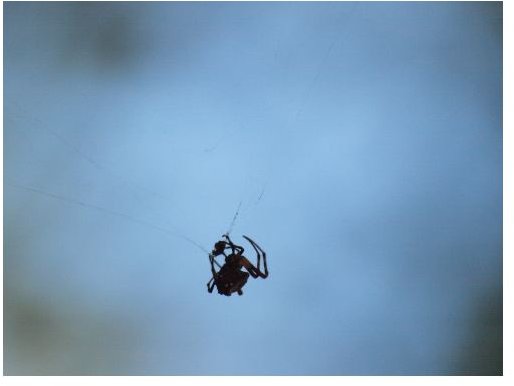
x: 231, y: 278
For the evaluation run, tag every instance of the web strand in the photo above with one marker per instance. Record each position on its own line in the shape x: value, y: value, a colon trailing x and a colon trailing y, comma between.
x: 125, y: 216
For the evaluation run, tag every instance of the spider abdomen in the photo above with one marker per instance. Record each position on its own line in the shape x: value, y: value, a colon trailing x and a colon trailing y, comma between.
x: 230, y: 279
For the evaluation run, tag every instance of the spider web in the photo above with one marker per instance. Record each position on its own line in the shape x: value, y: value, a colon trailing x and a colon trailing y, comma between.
x: 132, y: 186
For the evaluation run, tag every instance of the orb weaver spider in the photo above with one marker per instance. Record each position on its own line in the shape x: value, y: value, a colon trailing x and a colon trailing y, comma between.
x: 231, y: 278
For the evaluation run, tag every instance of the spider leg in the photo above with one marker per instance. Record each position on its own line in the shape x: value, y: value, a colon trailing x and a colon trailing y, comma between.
x: 212, y: 282
x: 210, y: 285
x: 212, y: 259
x: 233, y: 246
x: 256, y: 271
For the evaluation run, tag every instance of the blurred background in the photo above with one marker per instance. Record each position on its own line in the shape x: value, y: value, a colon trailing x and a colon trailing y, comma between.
x: 361, y: 142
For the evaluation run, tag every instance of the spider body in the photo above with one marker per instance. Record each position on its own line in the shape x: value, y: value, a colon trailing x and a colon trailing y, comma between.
x: 231, y: 278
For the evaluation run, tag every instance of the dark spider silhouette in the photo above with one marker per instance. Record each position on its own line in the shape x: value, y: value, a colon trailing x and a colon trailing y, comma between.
x: 231, y: 278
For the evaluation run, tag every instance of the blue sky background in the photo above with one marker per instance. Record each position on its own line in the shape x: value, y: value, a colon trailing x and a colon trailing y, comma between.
x: 363, y: 141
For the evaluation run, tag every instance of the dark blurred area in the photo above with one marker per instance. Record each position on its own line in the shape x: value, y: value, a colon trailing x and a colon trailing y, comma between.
x: 483, y: 352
